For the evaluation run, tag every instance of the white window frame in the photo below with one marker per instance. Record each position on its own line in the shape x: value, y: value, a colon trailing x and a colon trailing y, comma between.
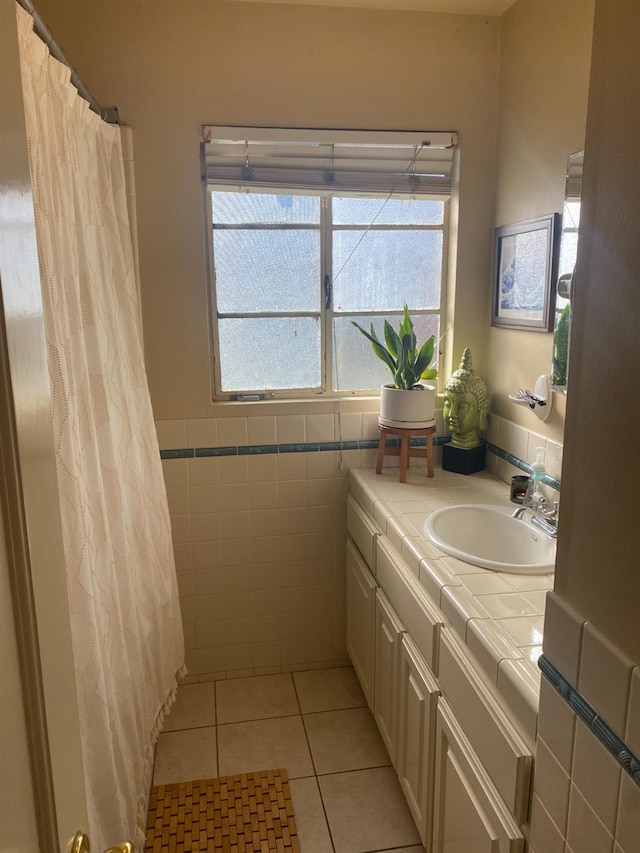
x: 326, y: 313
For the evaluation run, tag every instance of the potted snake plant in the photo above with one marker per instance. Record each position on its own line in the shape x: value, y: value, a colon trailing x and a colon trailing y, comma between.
x: 408, y: 402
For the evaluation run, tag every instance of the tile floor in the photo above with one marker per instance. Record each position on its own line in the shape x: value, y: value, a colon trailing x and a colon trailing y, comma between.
x: 316, y: 724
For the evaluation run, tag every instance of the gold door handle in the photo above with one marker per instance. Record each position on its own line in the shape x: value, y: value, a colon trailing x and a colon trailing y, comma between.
x: 81, y: 845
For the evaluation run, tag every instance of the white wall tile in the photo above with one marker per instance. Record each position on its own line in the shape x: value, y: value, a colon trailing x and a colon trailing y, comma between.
x: 263, y: 468
x: 202, y: 432
x: 552, y: 784
x: 563, y: 637
x: 632, y: 737
x: 348, y: 425
x: 319, y: 427
x: 534, y: 441
x: 261, y: 430
x: 291, y: 429
x: 178, y: 500
x: 232, y: 432
x: 175, y: 472
x: 628, y: 830
x: 204, y: 499
x: 553, y: 459
x: 597, y: 774
x: 203, y: 471
x: 585, y: 831
x: 556, y: 724
x: 605, y: 678
x: 545, y: 835
x: 292, y: 466
x: 492, y: 429
x: 370, y: 425
x: 172, y: 435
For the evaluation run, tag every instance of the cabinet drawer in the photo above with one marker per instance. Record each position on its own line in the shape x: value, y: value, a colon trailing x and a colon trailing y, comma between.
x: 497, y: 743
x: 362, y: 531
x: 419, y: 616
x: 469, y: 814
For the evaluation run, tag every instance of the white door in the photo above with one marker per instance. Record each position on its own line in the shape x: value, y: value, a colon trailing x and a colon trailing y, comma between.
x: 34, y: 564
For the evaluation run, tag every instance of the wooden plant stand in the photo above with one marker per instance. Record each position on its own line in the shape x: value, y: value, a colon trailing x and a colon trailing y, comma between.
x: 405, y: 452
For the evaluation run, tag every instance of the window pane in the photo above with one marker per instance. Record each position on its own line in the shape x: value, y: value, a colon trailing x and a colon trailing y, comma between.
x: 380, y: 211
x: 254, y: 208
x: 387, y: 269
x: 262, y: 271
x: 276, y: 353
x: 355, y: 366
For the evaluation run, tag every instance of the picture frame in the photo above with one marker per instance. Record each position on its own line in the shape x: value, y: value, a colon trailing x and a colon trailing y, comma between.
x: 524, y: 273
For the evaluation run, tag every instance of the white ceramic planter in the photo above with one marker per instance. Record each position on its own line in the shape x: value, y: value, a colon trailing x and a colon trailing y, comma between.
x: 407, y: 409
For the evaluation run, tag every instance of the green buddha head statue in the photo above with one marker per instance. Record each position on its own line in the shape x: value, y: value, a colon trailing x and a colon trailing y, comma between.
x: 465, y: 404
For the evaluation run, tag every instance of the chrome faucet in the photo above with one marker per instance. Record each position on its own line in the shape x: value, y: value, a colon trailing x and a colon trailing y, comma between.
x: 543, y: 516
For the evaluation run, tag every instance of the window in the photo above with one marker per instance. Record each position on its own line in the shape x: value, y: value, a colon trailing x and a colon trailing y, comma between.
x: 298, y: 252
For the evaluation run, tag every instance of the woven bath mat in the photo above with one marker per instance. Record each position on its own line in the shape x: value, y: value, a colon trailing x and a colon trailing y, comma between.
x: 246, y: 813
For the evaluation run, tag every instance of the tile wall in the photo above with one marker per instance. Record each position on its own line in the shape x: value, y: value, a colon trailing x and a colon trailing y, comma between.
x: 587, y: 778
x: 259, y: 536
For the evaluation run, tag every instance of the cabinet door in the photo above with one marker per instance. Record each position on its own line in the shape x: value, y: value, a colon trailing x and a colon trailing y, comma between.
x: 416, y: 735
x: 469, y: 814
x: 361, y: 602
x: 387, y: 663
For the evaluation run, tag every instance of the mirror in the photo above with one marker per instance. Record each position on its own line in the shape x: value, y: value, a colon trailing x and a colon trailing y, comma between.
x: 566, y: 266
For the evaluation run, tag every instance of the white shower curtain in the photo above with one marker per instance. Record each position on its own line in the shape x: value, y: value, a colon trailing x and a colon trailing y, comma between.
x: 126, y: 625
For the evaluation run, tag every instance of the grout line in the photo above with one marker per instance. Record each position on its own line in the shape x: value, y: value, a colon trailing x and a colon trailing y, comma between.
x: 313, y: 764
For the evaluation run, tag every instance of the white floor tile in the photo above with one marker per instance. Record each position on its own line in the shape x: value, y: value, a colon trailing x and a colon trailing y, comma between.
x: 264, y: 745
x: 185, y: 756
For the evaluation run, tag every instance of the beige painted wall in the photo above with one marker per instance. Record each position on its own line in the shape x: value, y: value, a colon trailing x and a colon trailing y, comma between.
x: 545, y: 50
x: 598, y: 549
x: 173, y: 65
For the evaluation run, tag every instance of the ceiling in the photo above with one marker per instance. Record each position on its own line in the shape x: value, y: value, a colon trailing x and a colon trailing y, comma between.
x: 465, y: 7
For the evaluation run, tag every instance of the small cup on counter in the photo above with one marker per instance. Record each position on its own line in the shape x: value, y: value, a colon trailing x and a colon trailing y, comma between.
x: 519, y: 485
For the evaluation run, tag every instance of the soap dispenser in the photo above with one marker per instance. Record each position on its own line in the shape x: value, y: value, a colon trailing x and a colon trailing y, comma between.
x: 535, y: 496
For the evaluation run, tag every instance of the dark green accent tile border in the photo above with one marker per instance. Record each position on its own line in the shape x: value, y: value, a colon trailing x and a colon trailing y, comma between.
x: 257, y: 449
x: 183, y: 453
x: 320, y: 446
x: 216, y: 451
x: 522, y: 465
x: 590, y: 717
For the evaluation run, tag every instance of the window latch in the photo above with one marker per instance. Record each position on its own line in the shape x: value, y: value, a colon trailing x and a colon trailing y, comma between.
x: 327, y: 291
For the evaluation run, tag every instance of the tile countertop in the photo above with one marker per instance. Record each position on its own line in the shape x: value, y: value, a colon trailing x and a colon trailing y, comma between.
x: 498, y: 616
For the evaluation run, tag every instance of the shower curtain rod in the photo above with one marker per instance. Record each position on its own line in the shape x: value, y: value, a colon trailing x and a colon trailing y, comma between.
x: 108, y: 114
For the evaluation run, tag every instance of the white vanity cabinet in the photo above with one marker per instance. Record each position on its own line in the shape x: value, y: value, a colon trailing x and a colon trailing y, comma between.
x: 463, y: 766
x: 361, y: 603
x: 469, y: 814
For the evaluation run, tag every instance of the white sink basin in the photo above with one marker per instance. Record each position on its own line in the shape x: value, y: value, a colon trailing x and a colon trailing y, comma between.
x: 488, y: 536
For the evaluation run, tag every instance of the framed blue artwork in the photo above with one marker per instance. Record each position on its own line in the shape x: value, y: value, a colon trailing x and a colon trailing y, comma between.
x: 525, y: 269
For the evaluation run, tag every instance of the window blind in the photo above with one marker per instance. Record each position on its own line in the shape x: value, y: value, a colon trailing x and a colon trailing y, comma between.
x: 329, y: 162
